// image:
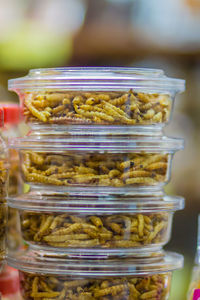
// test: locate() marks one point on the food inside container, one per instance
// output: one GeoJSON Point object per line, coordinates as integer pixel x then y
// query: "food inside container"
{"type": "Point", "coordinates": [109, 226]}
{"type": "Point", "coordinates": [97, 96]}
{"type": "Point", "coordinates": [102, 162]}
{"type": "Point", "coordinates": [4, 165]}
{"type": "Point", "coordinates": [3, 220]}
{"type": "Point", "coordinates": [139, 278]}
{"type": "Point", "coordinates": [12, 128]}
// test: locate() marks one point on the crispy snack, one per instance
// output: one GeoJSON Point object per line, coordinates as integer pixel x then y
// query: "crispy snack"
{"type": "Point", "coordinates": [3, 179]}
{"type": "Point", "coordinates": [48, 287]}
{"type": "Point", "coordinates": [13, 237]}
{"type": "Point", "coordinates": [14, 184]}
{"type": "Point", "coordinates": [3, 219]}
{"type": "Point", "coordinates": [107, 108]}
{"type": "Point", "coordinates": [94, 231]}
{"type": "Point", "coordinates": [96, 169]}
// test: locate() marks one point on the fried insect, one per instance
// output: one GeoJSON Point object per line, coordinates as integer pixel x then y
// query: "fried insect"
{"type": "Point", "coordinates": [125, 288]}
{"type": "Point", "coordinates": [129, 108]}
{"type": "Point", "coordinates": [116, 231]}
{"type": "Point", "coordinates": [96, 169]}
{"type": "Point", "coordinates": [3, 220]}
{"type": "Point", "coordinates": [3, 179]}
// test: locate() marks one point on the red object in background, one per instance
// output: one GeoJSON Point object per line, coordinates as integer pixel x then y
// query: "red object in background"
{"type": "Point", "coordinates": [12, 113]}
{"type": "Point", "coordinates": [9, 281]}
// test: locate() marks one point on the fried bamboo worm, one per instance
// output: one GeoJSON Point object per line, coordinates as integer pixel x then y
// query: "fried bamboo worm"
{"type": "Point", "coordinates": [96, 169]}
{"type": "Point", "coordinates": [68, 107]}
{"type": "Point", "coordinates": [64, 230]}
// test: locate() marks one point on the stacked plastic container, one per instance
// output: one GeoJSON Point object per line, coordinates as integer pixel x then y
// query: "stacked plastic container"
{"type": "Point", "coordinates": [95, 216]}
{"type": "Point", "coordinates": [4, 165]}
{"type": "Point", "coordinates": [13, 127]}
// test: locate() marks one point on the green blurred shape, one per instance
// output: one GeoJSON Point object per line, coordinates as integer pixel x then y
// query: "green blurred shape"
{"type": "Point", "coordinates": [33, 46]}
{"type": "Point", "coordinates": [180, 283]}
{"type": "Point", "coordinates": [26, 188]}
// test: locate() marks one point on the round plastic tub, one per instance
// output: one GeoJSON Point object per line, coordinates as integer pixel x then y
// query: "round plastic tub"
{"type": "Point", "coordinates": [96, 162]}
{"type": "Point", "coordinates": [53, 278]}
{"type": "Point", "coordinates": [100, 100]}
{"type": "Point", "coordinates": [99, 227]}
{"type": "Point", "coordinates": [12, 126]}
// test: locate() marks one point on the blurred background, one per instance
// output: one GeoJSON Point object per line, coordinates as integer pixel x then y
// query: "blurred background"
{"type": "Point", "coordinates": [140, 33]}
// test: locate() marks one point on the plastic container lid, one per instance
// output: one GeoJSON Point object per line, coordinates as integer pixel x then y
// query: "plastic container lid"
{"type": "Point", "coordinates": [35, 262]}
{"type": "Point", "coordinates": [92, 205]}
{"type": "Point", "coordinates": [98, 79]}
{"type": "Point", "coordinates": [9, 281]}
{"type": "Point", "coordinates": [96, 192]}
{"type": "Point", "coordinates": [12, 113]}
{"type": "Point", "coordinates": [150, 194]}
{"type": "Point", "coordinates": [109, 144]}
{"type": "Point", "coordinates": [95, 130]}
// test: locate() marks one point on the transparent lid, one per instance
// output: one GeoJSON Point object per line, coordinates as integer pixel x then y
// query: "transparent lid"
{"type": "Point", "coordinates": [98, 79]}
{"type": "Point", "coordinates": [95, 205]}
{"type": "Point", "coordinates": [36, 262]}
{"type": "Point", "coordinates": [110, 144]}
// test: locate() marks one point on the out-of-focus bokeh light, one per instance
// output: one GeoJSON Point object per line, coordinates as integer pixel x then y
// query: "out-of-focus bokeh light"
{"type": "Point", "coordinates": [169, 23]}
{"type": "Point", "coordinates": [39, 33]}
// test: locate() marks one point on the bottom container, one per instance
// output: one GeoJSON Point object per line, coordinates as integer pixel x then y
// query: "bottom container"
{"type": "Point", "coordinates": [45, 278]}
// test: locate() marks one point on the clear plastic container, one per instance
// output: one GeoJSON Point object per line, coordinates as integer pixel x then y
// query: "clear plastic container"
{"type": "Point", "coordinates": [97, 162]}
{"type": "Point", "coordinates": [100, 100]}
{"type": "Point", "coordinates": [91, 227]}
{"type": "Point", "coordinates": [4, 165]}
{"type": "Point", "coordinates": [52, 278]}
{"type": "Point", "coordinates": [12, 119]}
{"type": "Point", "coordinates": [13, 127]}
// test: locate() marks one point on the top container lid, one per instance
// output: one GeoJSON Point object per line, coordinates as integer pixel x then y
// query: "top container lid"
{"type": "Point", "coordinates": [34, 262]}
{"type": "Point", "coordinates": [150, 80]}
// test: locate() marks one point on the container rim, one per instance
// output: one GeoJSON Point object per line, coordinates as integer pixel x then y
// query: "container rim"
{"type": "Point", "coordinates": [97, 78]}
{"type": "Point", "coordinates": [110, 144]}
{"type": "Point", "coordinates": [90, 205]}
{"type": "Point", "coordinates": [35, 262]}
